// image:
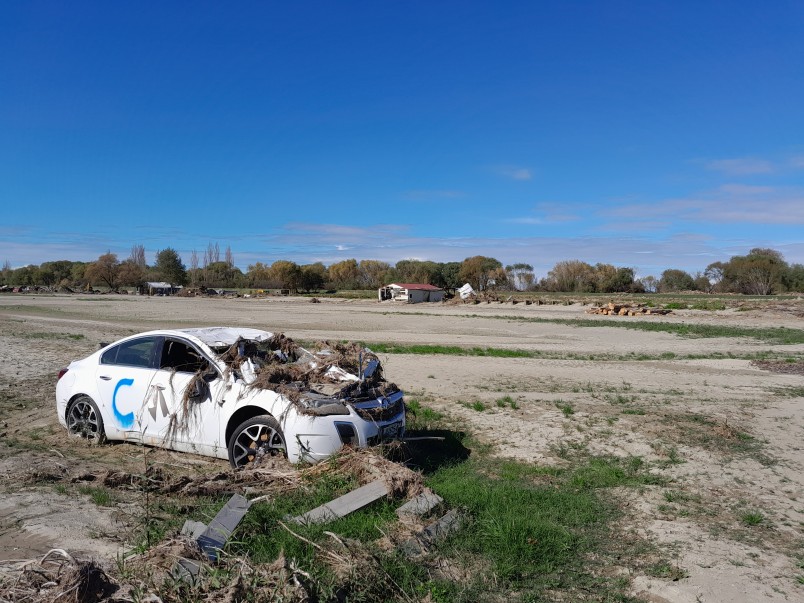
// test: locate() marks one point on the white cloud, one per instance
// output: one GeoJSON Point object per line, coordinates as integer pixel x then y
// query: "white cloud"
{"type": "Point", "coordinates": [514, 172]}
{"type": "Point", "coordinates": [525, 220]}
{"type": "Point", "coordinates": [742, 166]}
{"type": "Point", "coordinates": [424, 195]}
{"type": "Point", "coordinates": [797, 162]}
{"type": "Point", "coordinates": [730, 203]}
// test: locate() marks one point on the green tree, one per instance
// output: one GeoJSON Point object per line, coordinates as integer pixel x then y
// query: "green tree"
{"type": "Point", "coordinates": [676, 280]}
{"type": "Point", "coordinates": [313, 276]}
{"type": "Point", "coordinates": [371, 273]}
{"type": "Point", "coordinates": [758, 273]}
{"type": "Point", "coordinates": [415, 271]}
{"type": "Point", "coordinates": [448, 276]}
{"type": "Point", "coordinates": [793, 278]}
{"type": "Point", "coordinates": [24, 276]}
{"type": "Point", "coordinates": [131, 274]}
{"type": "Point", "coordinates": [477, 271]}
{"type": "Point", "coordinates": [6, 273]}
{"type": "Point", "coordinates": [169, 267]}
{"type": "Point", "coordinates": [571, 276]}
{"type": "Point", "coordinates": [286, 275]}
{"type": "Point", "coordinates": [104, 270]}
{"type": "Point", "coordinates": [344, 275]}
{"type": "Point", "coordinates": [258, 275]}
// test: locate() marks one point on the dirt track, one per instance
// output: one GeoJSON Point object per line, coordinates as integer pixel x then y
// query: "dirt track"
{"type": "Point", "coordinates": [692, 417]}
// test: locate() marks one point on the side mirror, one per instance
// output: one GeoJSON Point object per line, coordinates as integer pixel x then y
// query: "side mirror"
{"type": "Point", "coordinates": [199, 390]}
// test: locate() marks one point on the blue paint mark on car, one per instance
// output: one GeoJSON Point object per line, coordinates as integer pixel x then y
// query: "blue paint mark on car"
{"type": "Point", "coordinates": [126, 420]}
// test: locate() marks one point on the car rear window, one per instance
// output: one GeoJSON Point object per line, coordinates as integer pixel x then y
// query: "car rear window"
{"type": "Point", "coordinates": [137, 352]}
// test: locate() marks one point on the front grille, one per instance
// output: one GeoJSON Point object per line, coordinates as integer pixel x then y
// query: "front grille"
{"type": "Point", "coordinates": [381, 409]}
{"type": "Point", "coordinates": [380, 413]}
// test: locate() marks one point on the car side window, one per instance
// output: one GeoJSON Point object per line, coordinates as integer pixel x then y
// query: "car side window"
{"type": "Point", "coordinates": [181, 357]}
{"type": "Point", "coordinates": [137, 352]}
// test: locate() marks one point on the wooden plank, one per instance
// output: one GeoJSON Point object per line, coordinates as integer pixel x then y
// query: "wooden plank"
{"type": "Point", "coordinates": [221, 527]}
{"type": "Point", "coordinates": [343, 505]}
{"type": "Point", "coordinates": [422, 504]}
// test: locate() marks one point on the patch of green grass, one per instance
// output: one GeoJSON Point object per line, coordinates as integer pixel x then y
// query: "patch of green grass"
{"type": "Point", "coordinates": [478, 406]}
{"type": "Point", "coordinates": [713, 435]}
{"type": "Point", "coordinates": [450, 350]}
{"type": "Point", "coordinates": [752, 518]}
{"type": "Point", "coordinates": [41, 335]}
{"type": "Point", "coordinates": [537, 534]}
{"type": "Point", "coordinates": [633, 411]}
{"type": "Point", "coordinates": [507, 401]}
{"type": "Point", "coordinates": [100, 496]}
{"type": "Point", "coordinates": [565, 407]}
{"type": "Point", "coordinates": [777, 335]}
{"type": "Point", "coordinates": [419, 416]}
{"type": "Point", "coordinates": [711, 305]}
{"type": "Point", "coordinates": [529, 532]}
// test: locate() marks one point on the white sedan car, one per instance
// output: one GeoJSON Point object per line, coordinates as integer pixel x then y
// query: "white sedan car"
{"type": "Point", "coordinates": [231, 393]}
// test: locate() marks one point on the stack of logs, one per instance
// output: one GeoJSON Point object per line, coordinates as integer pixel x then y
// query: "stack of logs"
{"type": "Point", "coordinates": [613, 309]}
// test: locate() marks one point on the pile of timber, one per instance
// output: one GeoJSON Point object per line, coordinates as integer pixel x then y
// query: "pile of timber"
{"type": "Point", "coordinates": [612, 309]}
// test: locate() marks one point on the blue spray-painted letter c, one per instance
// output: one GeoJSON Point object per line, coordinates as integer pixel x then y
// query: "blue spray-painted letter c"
{"type": "Point", "coordinates": [126, 420]}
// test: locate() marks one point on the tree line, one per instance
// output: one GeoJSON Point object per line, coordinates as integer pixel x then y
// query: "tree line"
{"type": "Point", "coordinates": [760, 272]}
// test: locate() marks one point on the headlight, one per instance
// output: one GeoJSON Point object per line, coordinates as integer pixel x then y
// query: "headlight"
{"type": "Point", "coordinates": [323, 406]}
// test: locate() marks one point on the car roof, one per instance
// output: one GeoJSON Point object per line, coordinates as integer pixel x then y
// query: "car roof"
{"type": "Point", "coordinates": [214, 337]}
{"type": "Point", "coordinates": [224, 336]}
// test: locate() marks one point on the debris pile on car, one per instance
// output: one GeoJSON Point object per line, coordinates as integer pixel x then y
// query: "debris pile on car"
{"type": "Point", "coordinates": [333, 370]}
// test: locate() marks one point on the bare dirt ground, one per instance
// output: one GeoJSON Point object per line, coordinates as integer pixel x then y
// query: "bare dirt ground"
{"type": "Point", "coordinates": [727, 432]}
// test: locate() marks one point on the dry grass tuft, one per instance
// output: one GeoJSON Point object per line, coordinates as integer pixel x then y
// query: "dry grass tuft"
{"type": "Point", "coordinates": [58, 576]}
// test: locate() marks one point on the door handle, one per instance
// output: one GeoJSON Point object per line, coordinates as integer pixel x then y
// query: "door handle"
{"type": "Point", "coordinates": [105, 378]}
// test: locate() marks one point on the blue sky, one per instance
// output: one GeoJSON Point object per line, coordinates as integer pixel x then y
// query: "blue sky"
{"type": "Point", "coordinates": [644, 134]}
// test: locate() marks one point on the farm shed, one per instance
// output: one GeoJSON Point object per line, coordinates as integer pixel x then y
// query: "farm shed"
{"type": "Point", "coordinates": [158, 288]}
{"type": "Point", "coordinates": [411, 293]}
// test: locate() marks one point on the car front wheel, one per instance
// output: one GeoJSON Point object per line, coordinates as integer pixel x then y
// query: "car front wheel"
{"type": "Point", "coordinates": [255, 439]}
{"type": "Point", "coordinates": [84, 420]}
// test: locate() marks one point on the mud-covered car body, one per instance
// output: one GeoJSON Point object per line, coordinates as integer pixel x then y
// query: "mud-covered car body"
{"type": "Point", "coordinates": [204, 391]}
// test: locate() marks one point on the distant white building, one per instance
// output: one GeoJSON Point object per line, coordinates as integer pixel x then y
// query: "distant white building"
{"type": "Point", "coordinates": [411, 293]}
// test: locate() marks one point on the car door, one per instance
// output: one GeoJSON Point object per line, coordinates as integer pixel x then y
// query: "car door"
{"type": "Point", "coordinates": [181, 411]}
{"type": "Point", "coordinates": [123, 379]}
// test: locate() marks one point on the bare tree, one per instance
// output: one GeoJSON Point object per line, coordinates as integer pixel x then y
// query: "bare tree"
{"type": "Point", "coordinates": [194, 267]}
{"type": "Point", "coordinates": [229, 258]}
{"type": "Point", "coordinates": [214, 252]}
{"type": "Point", "coordinates": [137, 256]}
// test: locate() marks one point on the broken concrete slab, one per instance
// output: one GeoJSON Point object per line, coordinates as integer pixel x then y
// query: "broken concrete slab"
{"type": "Point", "coordinates": [185, 570]}
{"type": "Point", "coordinates": [439, 529]}
{"type": "Point", "coordinates": [421, 505]}
{"type": "Point", "coordinates": [221, 527]}
{"type": "Point", "coordinates": [193, 529]}
{"type": "Point", "coordinates": [343, 505]}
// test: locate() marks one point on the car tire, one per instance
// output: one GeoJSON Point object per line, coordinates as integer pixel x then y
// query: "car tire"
{"type": "Point", "coordinates": [255, 439]}
{"type": "Point", "coordinates": [84, 420]}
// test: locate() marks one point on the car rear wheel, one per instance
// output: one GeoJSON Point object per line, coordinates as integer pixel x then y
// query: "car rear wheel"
{"type": "Point", "coordinates": [84, 420]}
{"type": "Point", "coordinates": [255, 439]}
